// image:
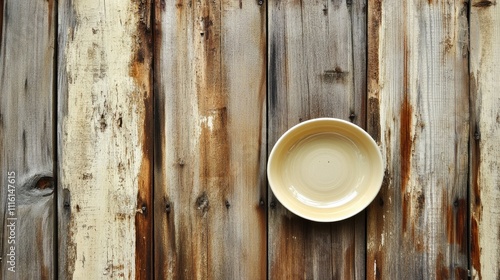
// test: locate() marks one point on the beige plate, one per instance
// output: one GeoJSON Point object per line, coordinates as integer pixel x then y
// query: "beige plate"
{"type": "Point", "coordinates": [325, 169]}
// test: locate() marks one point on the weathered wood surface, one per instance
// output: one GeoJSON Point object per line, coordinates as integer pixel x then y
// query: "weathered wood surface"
{"type": "Point", "coordinates": [210, 188]}
{"type": "Point", "coordinates": [419, 113]}
{"type": "Point", "coordinates": [485, 133]}
{"type": "Point", "coordinates": [105, 139]}
{"type": "Point", "coordinates": [435, 116]}
{"type": "Point", "coordinates": [316, 69]}
{"type": "Point", "coordinates": [26, 140]}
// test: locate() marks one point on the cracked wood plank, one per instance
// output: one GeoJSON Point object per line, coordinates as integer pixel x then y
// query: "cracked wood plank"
{"type": "Point", "coordinates": [316, 69]}
{"type": "Point", "coordinates": [26, 140]}
{"type": "Point", "coordinates": [210, 189]}
{"type": "Point", "coordinates": [105, 139]}
{"type": "Point", "coordinates": [418, 111]}
{"type": "Point", "coordinates": [485, 132]}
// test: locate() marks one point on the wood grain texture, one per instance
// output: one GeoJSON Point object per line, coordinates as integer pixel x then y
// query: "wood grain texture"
{"type": "Point", "coordinates": [485, 132]}
{"type": "Point", "coordinates": [418, 112]}
{"type": "Point", "coordinates": [26, 140]}
{"type": "Point", "coordinates": [105, 139]}
{"type": "Point", "coordinates": [210, 191]}
{"type": "Point", "coordinates": [315, 70]}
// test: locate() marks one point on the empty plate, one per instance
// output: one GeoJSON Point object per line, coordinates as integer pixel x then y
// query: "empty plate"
{"type": "Point", "coordinates": [325, 169]}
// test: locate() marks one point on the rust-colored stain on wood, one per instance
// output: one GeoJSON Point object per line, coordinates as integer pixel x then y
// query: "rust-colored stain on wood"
{"type": "Point", "coordinates": [456, 224]}
{"type": "Point", "coordinates": [475, 253]}
{"type": "Point", "coordinates": [349, 257]}
{"type": "Point", "coordinates": [461, 273]}
{"type": "Point", "coordinates": [40, 235]}
{"type": "Point", "coordinates": [140, 71]}
{"type": "Point", "coordinates": [406, 141]}
{"type": "Point", "coordinates": [144, 218]}
{"type": "Point", "coordinates": [405, 128]}
{"type": "Point", "coordinates": [442, 271]}
{"type": "Point", "coordinates": [50, 12]}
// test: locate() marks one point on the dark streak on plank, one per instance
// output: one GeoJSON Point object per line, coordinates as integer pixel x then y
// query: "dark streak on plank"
{"type": "Point", "coordinates": [475, 166]}
{"type": "Point", "coordinates": [273, 79]}
{"type": "Point", "coordinates": [405, 140]}
{"type": "Point", "coordinates": [374, 25]}
{"type": "Point", "coordinates": [163, 207]}
{"type": "Point", "coordinates": [373, 123]}
{"type": "Point", "coordinates": [140, 71]}
{"type": "Point", "coordinates": [1, 23]}
{"type": "Point", "coordinates": [475, 248]}
{"type": "Point", "coordinates": [484, 4]}
{"type": "Point", "coordinates": [456, 224]}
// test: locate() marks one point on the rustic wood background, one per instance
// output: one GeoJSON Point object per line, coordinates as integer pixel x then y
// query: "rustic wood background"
{"type": "Point", "coordinates": [138, 132]}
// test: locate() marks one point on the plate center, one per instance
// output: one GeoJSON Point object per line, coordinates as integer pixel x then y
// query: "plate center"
{"type": "Point", "coordinates": [324, 170]}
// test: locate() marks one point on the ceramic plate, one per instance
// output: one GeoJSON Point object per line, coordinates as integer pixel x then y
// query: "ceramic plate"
{"type": "Point", "coordinates": [325, 169]}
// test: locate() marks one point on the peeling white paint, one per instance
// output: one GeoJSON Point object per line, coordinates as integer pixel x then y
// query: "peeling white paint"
{"type": "Point", "coordinates": [100, 87]}
{"type": "Point", "coordinates": [207, 121]}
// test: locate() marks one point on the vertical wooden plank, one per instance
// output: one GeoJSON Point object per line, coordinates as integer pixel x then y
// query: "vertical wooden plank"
{"type": "Point", "coordinates": [358, 116]}
{"type": "Point", "coordinates": [210, 189]}
{"type": "Point", "coordinates": [315, 70]}
{"type": "Point", "coordinates": [485, 132]}
{"type": "Point", "coordinates": [26, 140]}
{"type": "Point", "coordinates": [105, 139]}
{"type": "Point", "coordinates": [418, 112]}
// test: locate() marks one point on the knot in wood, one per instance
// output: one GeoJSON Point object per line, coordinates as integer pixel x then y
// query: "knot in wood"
{"type": "Point", "coordinates": [273, 204]}
{"type": "Point", "coordinates": [202, 202]}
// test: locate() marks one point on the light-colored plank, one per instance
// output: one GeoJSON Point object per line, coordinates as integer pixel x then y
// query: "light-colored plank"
{"type": "Point", "coordinates": [419, 114]}
{"type": "Point", "coordinates": [312, 73]}
{"type": "Point", "coordinates": [105, 139]}
{"type": "Point", "coordinates": [485, 133]}
{"type": "Point", "coordinates": [210, 189]}
{"type": "Point", "coordinates": [26, 140]}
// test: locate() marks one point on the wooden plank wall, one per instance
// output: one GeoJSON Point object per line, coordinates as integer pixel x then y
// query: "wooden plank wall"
{"type": "Point", "coordinates": [315, 70]}
{"type": "Point", "coordinates": [105, 118]}
{"type": "Point", "coordinates": [26, 139]}
{"type": "Point", "coordinates": [210, 187]}
{"type": "Point", "coordinates": [484, 136]}
{"type": "Point", "coordinates": [167, 109]}
{"type": "Point", "coordinates": [419, 114]}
